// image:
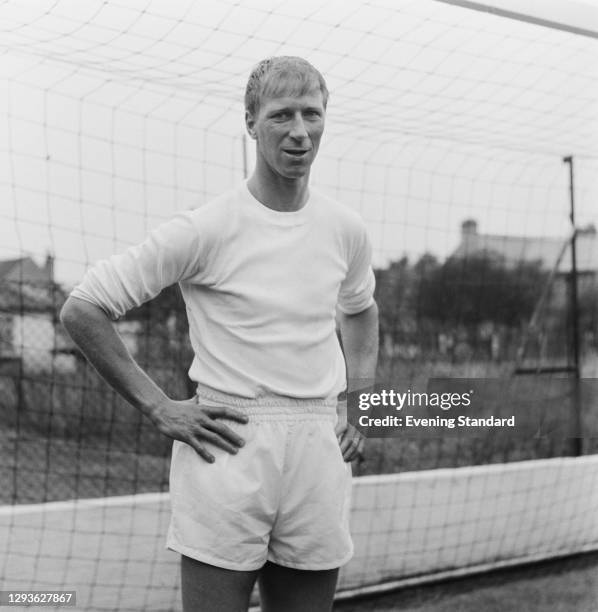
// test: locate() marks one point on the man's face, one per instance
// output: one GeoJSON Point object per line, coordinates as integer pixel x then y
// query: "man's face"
{"type": "Point", "coordinates": [288, 130]}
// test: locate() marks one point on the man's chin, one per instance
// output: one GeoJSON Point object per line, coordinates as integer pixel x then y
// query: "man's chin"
{"type": "Point", "coordinates": [295, 173]}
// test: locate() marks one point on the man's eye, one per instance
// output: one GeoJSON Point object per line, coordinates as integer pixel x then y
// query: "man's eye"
{"type": "Point", "coordinates": [280, 116]}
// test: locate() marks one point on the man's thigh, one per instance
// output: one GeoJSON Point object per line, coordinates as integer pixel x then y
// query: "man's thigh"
{"type": "Point", "coordinates": [283, 589]}
{"type": "Point", "coordinates": [206, 588]}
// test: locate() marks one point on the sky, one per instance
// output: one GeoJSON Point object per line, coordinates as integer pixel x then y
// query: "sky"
{"type": "Point", "coordinates": [114, 115]}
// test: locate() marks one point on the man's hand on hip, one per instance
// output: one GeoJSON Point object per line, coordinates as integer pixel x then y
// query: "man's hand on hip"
{"type": "Point", "coordinates": [194, 424]}
{"type": "Point", "coordinates": [350, 440]}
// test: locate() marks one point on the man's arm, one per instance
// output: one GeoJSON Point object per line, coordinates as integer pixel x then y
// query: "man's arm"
{"type": "Point", "coordinates": [93, 332]}
{"type": "Point", "coordinates": [359, 334]}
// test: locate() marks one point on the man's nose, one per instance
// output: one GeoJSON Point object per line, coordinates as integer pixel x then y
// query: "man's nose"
{"type": "Point", "coordinates": [298, 130]}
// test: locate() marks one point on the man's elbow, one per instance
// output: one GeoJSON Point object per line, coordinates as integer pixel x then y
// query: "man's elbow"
{"type": "Point", "coordinates": [367, 318]}
{"type": "Point", "coordinates": [369, 322]}
{"type": "Point", "coordinates": [373, 309]}
{"type": "Point", "coordinates": [370, 313]}
{"type": "Point", "coordinates": [68, 313]}
{"type": "Point", "coordinates": [76, 311]}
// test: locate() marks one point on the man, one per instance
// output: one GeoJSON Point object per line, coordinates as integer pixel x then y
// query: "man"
{"type": "Point", "coordinates": [259, 482]}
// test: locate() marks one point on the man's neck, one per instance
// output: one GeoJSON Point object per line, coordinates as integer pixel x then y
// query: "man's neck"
{"type": "Point", "coordinates": [279, 193]}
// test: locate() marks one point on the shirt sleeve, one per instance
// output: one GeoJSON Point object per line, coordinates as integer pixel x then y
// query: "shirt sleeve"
{"type": "Point", "coordinates": [169, 254]}
{"type": "Point", "coordinates": [357, 290]}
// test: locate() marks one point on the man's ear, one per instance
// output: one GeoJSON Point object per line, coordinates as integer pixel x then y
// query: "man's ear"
{"type": "Point", "coordinates": [250, 124]}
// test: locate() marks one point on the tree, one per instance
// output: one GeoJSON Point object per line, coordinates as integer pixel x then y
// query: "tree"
{"type": "Point", "coordinates": [478, 289]}
{"type": "Point", "coordinates": [393, 290]}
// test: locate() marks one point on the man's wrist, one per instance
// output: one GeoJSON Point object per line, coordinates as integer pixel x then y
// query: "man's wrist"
{"type": "Point", "coordinates": [152, 407]}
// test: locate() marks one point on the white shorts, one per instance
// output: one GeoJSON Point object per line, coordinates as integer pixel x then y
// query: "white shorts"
{"type": "Point", "coordinates": [284, 497]}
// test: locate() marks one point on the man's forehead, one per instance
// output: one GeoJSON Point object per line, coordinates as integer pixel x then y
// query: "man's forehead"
{"type": "Point", "coordinates": [289, 87]}
{"type": "Point", "coordinates": [313, 97]}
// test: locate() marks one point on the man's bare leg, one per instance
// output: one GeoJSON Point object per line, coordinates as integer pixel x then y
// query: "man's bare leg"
{"type": "Point", "coordinates": [283, 589]}
{"type": "Point", "coordinates": [207, 588]}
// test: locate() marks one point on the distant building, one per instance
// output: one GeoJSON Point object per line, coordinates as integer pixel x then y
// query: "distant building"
{"type": "Point", "coordinates": [31, 335]}
{"type": "Point", "coordinates": [29, 304]}
{"type": "Point", "coordinates": [515, 250]}
{"type": "Point", "coordinates": [554, 256]}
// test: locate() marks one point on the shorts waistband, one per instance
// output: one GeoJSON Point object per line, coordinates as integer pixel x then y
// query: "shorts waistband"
{"type": "Point", "coordinates": [275, 406]}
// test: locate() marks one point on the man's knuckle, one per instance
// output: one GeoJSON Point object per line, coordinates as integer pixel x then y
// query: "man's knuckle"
{"type": "Point", "coordinates": [217, 427]}
{"type": "Point", "coordinates": [201, 450]}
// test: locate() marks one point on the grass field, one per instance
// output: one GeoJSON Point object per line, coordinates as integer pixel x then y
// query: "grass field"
{"type": "Point", "coordinates": [35, 469]}
{"type": "Point", "coordinates": [563, 585]}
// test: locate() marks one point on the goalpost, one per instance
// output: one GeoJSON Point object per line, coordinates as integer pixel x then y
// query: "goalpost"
{"type": "Point", "coordinates": [567, 15]}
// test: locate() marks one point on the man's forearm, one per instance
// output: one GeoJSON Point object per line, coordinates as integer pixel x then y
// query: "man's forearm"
{"type": "Point", "coordinates": [93, 332]}
{"type": "Point", "coordinates": [359, 334]}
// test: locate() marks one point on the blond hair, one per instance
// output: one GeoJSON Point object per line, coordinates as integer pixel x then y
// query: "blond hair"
{"type": "Point", "coordinates": [275, 75]}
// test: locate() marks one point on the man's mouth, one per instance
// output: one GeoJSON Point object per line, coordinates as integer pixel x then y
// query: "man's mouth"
{"type": "Point", "coordinates": [296, 152]}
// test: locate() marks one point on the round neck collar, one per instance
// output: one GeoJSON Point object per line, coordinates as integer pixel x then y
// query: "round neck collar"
{"type": "Point", "coordinates": [280, 217]}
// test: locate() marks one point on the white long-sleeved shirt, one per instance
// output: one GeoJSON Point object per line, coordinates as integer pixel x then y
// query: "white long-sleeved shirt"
{"type": "Point", "coordinates": [260, 287]}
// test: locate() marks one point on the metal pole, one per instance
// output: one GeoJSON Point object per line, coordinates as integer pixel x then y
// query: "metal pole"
{"type": "Point", "coordinates": [578, 441]}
